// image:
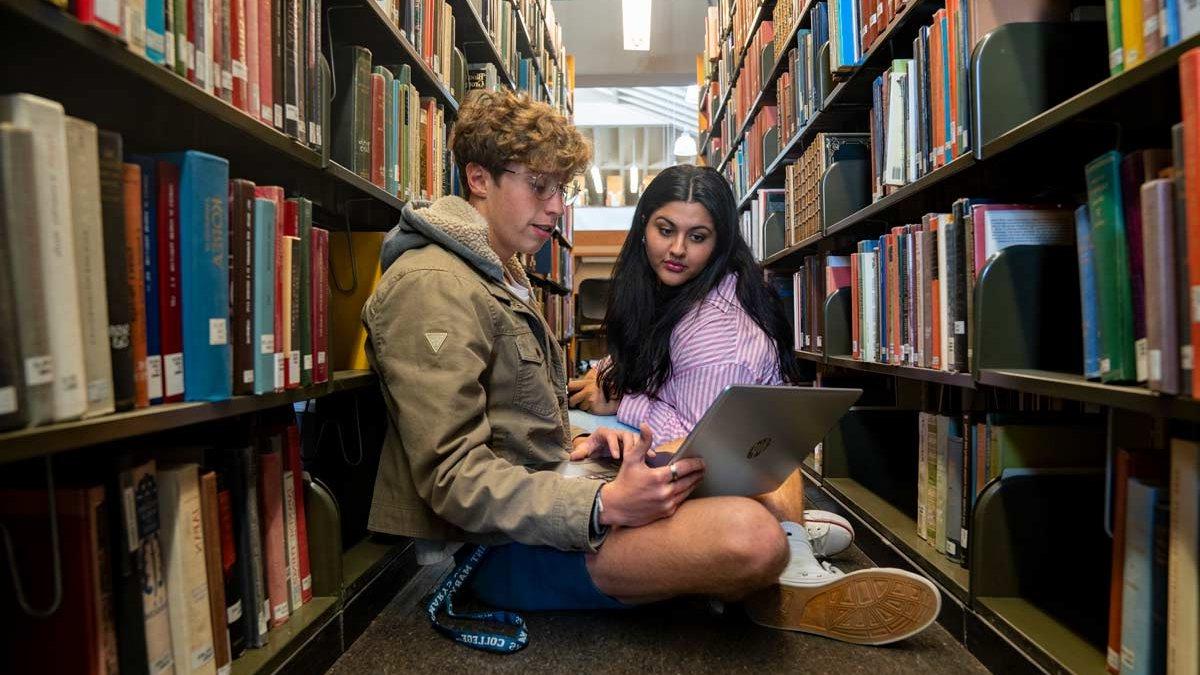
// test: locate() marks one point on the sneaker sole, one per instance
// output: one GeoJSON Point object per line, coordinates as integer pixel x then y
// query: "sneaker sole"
{"type": "Point", "coordinates": [866, 607]}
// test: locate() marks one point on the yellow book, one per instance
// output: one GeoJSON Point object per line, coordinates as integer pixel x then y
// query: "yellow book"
{"type": "Point", "coordinates": [1131, 33]}
{"type": "Point", "coordinates": [347, 336]}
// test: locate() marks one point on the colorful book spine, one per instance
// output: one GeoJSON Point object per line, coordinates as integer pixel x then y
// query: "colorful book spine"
{"type": "Point", "coordinates": [156, 36]}
{"type": "Point", "coordinates": [241, 283]}
{"type": "Point", "coordinates": [1088, 293]}
{"type": "Point", "coordinates": [319, 280]}
{"type": "Point", "coordinates": [204, 247]}
{"type": "Point", "coordinates": [1117, 361]}
{"type": "Point", "coordinates": [275, 194]}
{"type": "Point", "coordinates": [304, 292]}
{"type": "Point", "coordinates": [148, 168]}
{"type": "Point", "coordinates": [170, 298]}
{"type": "Point", "coordinates": [135, 278]}
{"type": "Point", "coordinates": [1139, 650]}
{"type": "Point", "coordinates": [264, 296]}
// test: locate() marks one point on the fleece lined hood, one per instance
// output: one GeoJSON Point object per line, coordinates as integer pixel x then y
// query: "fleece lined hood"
{"type": "Point", "coordinates": [452, 223]}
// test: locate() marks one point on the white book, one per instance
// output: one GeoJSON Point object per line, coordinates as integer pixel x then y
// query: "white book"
{"type": "Point", "coordinates": [894, 166]}
{"type": "Point", "coordinates": [212, 71]}
{"type": "Point", "coordinates": [912, 115]}
{"type": "Point", "coordinates": [291, 541]}
{"type": "Point", "coordinates": [943, 485]}
{"type": "Point", "coordinates": [84, 174]}
{"type": "Point", "coordinates": [1183, 567]}
{"type": "Point", "coordinates": [46, 119]}
{"type": "Point", "coordinates": [134, 29]}
{"type": "Point", "coordinates": [1189, 18]}
{"type": "Point", "coordinates": [944, 277]}
{"type": "Point", "coordinates": [181, 535]}
{"type": "Point", "coordinates": [870, 292]}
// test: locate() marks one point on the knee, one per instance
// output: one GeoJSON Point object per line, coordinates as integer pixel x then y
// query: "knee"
{"type": "Point", "coordinates": [754, 543]}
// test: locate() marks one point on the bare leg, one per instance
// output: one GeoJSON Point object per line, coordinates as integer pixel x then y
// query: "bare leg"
{"type": "Point", "coordinates": [723, 547]}
{"type": "Point", "coordinates": [787, 501]}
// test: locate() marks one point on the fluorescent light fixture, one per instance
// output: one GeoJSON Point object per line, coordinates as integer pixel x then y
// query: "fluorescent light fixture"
{"type": "Point", "coordinates": [596, 180]}
{"type": "Point", "coordinates": [635, 19]}
{"type": "Point", "coordinates": [685, 146]}
{"type": "Point", "coordinates": [634, 185]}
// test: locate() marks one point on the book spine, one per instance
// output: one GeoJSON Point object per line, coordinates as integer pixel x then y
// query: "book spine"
{"type": "Point", "coordinates": [1183, 322]}
{"type": "Point", "coordinates": [1189, 81]}
{"type": "Point", "coordinates": [264, 295]}
{"type": "Point", "coordinates": [238, 95]}
{"type": "Point", "coordinates": [170, 282]}
{"type": "Point", "coordinates": [320, 303]}
{"type": "Point", "coordinates": [1183, 578]}
{"type": "Point", "coordinates": [118, 292]}
{"type": "Point", "coordinates": [187, 585]}
{"type": "Point", "coordinates": [83, 172]}
{"type": "Point", "coordinates": [292, 545]}
{"type": "Point", "coordinates": [292, 326]}
{"type": "Point", "coordinates": [296, 467]}
{"type": "Point", "coordinates": [279, 62]}
{"type": "Point", "coordinates": [1158, 251]}
{"type": "Point", "coordinates": [362, 114]}
{"type": "Point", "coordinates": [287, 296]}
{"type": "Point", "coordinates": [179, 33]}
{"type": "Point", "coordinates": [1112, 264]}
{"type": "Point", "coordinates": [234, 615]}
{"type": "Point", "coordinates": [226, 37]}
{"type": "Point", "coordinates": [1131, 33]}
{"type": "Point", "coordinates": [241, 258]}
{"type": "Point", "coordinates": [304, 232]}
{"type": "Point", "coordinates": [253, 102]}
{"type": "Point", "coordinates": [135, 278]}
{"type": "Point", "coordinates": [270, 484]}
{"type": "Point", "coordinates": [1088, 294]}
{"type": "Point", "coordinates": [291, 55]}
{"type": "Point", "coordinates": [266, 57]}
{"type": "Point", "coordinates": [378, 160]}
{"type": "Point", "coordinates": [214, 574]}
{"type": "Point", "coordinates": [106, 16]}
{"type": "Point", "coordinates": [150, 278]}
{"type": "Point", "coordinates": [156, 31]}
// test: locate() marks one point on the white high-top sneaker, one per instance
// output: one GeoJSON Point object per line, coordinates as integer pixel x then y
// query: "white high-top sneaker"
{"type": "Point", "coordinates": [870, 607]}
{"type": "Point", "coordinates": [829, 533]}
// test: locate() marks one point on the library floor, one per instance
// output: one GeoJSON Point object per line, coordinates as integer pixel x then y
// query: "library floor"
{"type": "Point", "coordinates": [679, 636]}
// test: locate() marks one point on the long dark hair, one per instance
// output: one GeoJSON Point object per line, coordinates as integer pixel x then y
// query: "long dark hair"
{"type": "Point", "coordinates": [642, 312]}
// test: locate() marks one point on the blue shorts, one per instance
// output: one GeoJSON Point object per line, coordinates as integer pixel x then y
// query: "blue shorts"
{"type": "Point", "coordinates": [535, 578]}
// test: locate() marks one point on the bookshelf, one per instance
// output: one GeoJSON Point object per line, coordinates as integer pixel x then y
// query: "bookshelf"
{"type": "Point", "coordinates": [98, 79]}
{"type": "Point", "coordinates": [1032, 150]}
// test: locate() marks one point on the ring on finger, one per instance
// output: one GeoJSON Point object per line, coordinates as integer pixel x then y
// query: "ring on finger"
{"type": "Point", "coordinates": [674, 473]}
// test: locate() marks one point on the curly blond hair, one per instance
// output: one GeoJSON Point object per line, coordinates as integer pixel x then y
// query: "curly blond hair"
{"type": "Point", "coordinates": [495, 128]}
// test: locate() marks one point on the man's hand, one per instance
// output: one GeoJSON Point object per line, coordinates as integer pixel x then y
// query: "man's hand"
{"type": "Point", "coordinates": [587, 395]}
{"type": "Point", "coordinates": [602, 442]}
{"type": "Point", "coordinates": [640, 494]}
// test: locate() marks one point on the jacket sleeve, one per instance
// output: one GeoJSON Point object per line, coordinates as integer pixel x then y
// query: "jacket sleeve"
{"type": "Point", "coordinates": [683, 401]}
{"type": "Point", "coordinates": [433, 338]}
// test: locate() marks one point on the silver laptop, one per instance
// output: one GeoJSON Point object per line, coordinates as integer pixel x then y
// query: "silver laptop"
{"type": "Point", "coordinates": [751, 438]}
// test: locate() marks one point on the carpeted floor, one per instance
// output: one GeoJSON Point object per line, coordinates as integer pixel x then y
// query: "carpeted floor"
{"type": "Point", "coordinates": [680, 636]}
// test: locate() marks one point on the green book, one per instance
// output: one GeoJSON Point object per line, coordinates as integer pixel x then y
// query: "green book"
{"type": "Point", "coordinates": [1117, 362]}
{"type": "Point", "coordinates": [1116, 52]}
{"type": "Point", "coordinates": [352, 110]}
{"type": "Point", "coordinates": [304, 227]}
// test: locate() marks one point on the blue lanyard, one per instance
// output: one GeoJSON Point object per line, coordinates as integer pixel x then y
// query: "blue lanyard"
{"type": "Point", "coordinates": [484, 640]}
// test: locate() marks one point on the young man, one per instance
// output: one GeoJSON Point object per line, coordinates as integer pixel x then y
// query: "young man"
{"type": "Point", "coordinates": [475, 386]}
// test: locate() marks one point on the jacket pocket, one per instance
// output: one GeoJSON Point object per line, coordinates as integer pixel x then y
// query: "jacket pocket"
{"type": "Point", "coordinates": [534, 391]}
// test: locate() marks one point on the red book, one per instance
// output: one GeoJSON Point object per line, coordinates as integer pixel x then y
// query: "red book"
{"type": "Point", "coordinates": [296, 467]}
{"type": "Point", "coordinates": [855, 337]}
{"type": "Point", "coordinates": [237, 52]}
{"type": "Point", "coordinates": [270, 500]}
{"type": "Point", "coordinates": [132, 181]}
{"type": "Point", "coordinates": [170, 305]}
{"type": "Point", "coordinates": [1189, 94]}
{"type": "Point", "coordinates": [275, 194]}
{"type": "Point", "coordinates": [106, 16]}
{"type": "Point", "coordinates": [266, 68]}
{"type": "Point", "coordinates": [319, 260]}
{"type": "Point", "coordinates": [935, 299]}
{"type": "Point", "coordinates": [428, 116]}
{"type": "Point", "coordinates": [378, 125]}
{"type": "Point", "coordinates": [952, 20]}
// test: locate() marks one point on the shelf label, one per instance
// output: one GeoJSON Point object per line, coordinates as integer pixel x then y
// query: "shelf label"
{"type": "Point", "coordinates": [154, 375]}
{"type": "Point", "coordinates": [173, 377]}
{"type": "Point", "coordinates": [39, 370]}
{"type": "Point", "coordinates": [217, 332]}
{"type": "Point", "coordinates": [8, 400]}
{"type": "Point", "coordinates": [266, 343]}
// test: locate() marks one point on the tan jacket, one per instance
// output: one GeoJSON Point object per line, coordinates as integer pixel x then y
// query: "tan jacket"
{"type": "Point", "coordinates": [475, 387]}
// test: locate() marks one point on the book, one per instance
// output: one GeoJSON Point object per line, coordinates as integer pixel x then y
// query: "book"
{"type": "Point", "coordinates": [213, 568]}
{"type": "Point", "coordinates": [131, 178]}
{"type": "Point", "coordinates": [107, 16]}
{"type": "Point", "coordinates": [170, 282]}
{"type": "Point", "coordinates": [1112, 265]}
{"type": "Point", "coordinates": [287, 299]}
{"type": "Point", "coordinates": [239, 467]}
{"type": "Point", "coordinates": [1189, 83]}
{"type": "Point", "coordinates": [119, 294]}
{"type": "Point", "coordinates": [352, 110]}
{"type": "Point", "coordinates": [319, 278]}
{"type": "Point", "coordinates": [290, 530]}
{"type": "Point", "coordinates": [1158, 251]}
{"type": "Point", "coordinates": [147, 167]}
{"type": "Point", "coordinates": [1136, 168]}
{"type": "Point", "coordinates": [270, 496]}
{"type": "Point", "coordinates": [275, 194]}
{"type": "Point", "coordinates": [1183, 578]}
{"type": "Point", "coordinates": [241, 283]}
{"type": "Point", "coordinates": [182, 538]}
{"type": "Point", "coordinates": [204, 248]}
{"type": "Point", "coordinates": [295, 468]}
{"type": "Point", "coordinates": [1088, 293]}
{"type": "Point", "coordinates": [84, 174]}
{"type": "Point", "coordinates": [1140, 653]}
{"type": "Point", "coordinates": [293, 325]}
{"type": "Point", "coordinates": [46, 120]}
{"type": "Point", "coordinates": [264, 295]}
{"type": "Point", "coordinates": [18, 251]}
{"type": "Point", "coordinates": [230, 570]}
{"type": "Point", "coordinates": [1183, 321]}
{"type": "Point", "coordinates": [303, 294]}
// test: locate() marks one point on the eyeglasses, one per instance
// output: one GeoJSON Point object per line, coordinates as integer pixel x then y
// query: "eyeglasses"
{"type": "Point", "coordinates": [544, 190]}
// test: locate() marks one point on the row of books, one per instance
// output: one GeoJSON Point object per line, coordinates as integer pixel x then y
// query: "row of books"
{"type": "Point", "coordinates": [178, 563]}
{"type": "Point", "coordinates": [803, 181]}
{"type": "Point", "coordinates": [386, 132]}
{"type": "Point", "coordinates": [1138, 30]}
{"type": "Point", "coordinates": [1153, 608]}
{"type": "Point", "coordinates": [263, 57]}
{"type": "Point", "coordinates": [762, 224]}
{"type": "Point", "coordinates": [797, 90]}
{"type": "Point", "coordinates": [429, 25]}
{"type": "Point", "coordinates": [556, 67]}
{"type": "Point", "coordinates": [132, 280]}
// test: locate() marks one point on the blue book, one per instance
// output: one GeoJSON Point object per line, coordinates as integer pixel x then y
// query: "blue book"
{"type": "Point", "coordinates": [819, 23]}
{"type": "Point", "coordinates": [846, 40]}
{"type": "Point", "coordinates": [947, 149]}
{"type": "Point", "coordinates": [1139, 651]}
{"type": "Point", "coordinates": [1169, 15]}
{"type": "Point", "coordinates": [393, 139]}
{"type": "Point", "coordinates": [156, 37]}
{"type": "Point", "coordinates": [1088, 298]}
{"type": "Point", "coordinates": [204, 272]}
{"type": "Point", "coordinates": [154, 361]}
{"type": "Point", "coordinates": [264, 296]}
{"type": "Point", "coordinates": [955, 457]}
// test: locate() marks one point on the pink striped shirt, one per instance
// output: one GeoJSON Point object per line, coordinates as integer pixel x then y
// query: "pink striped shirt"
{"type": "Point", "coordinates": [715, 345]}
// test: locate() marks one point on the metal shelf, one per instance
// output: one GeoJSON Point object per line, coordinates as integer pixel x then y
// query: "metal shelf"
{"type": "Point", "coordinates": [470, 30]}
{"type": "Point", "coordinates": [963, 380]}
{"type": "Point", "coordinates": [790, 251]}
{"type": "Point", "coordinates": [53, 438]}
{"type": "Point", "coordinates": [1077, 388]}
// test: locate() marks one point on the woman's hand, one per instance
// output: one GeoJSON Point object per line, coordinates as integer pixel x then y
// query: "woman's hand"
{"type": "Point", "coordinates": [641, 494]}
{"type": "Point", "coordinates": [587, 395]}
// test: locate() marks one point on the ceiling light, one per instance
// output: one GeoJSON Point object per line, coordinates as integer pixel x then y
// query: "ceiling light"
{"type": "Point", "coordinates": [685, 146]}
{"type": "Point", "coordinates": [635, 19]}
{"type": "Point", "coordinates": [634, 185]}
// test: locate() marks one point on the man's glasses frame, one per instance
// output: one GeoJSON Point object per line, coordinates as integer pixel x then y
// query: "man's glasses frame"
{"type": "Point", "coordinates": [544, 190]}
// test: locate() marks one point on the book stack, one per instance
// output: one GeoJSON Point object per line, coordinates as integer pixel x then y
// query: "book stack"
{"type": "Point", "coordinates": [803, 180]}
{"type": "Point", "coordinates": [183, 561]}
{"type": "Point", "coordinates": [262, 57]}
{"type": "Point", "coordinates": [429, 26]}
{"type": "Point", "coordinates": [763, 225]}
{"type": "Point", "coordinates": [144, 279]}
{"type": "Point", "coordinates": [797, 89]}
{"type": "Point", "coordinates": [1138, 30]}
{"type": "Point", "coordinates": [912, 288]}
{"type": "Point", "coordinates": [385, 131]}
